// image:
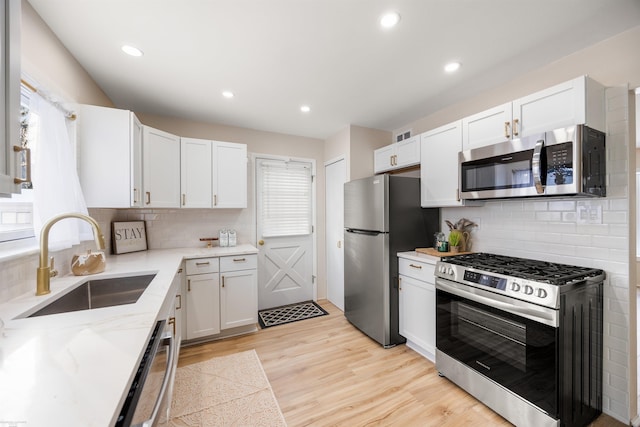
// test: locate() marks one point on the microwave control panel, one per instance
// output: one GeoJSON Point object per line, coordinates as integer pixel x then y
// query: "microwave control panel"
{"type": "Point", "coordinates": [559, 163]}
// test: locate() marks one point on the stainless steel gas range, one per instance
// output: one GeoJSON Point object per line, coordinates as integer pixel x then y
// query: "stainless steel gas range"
{"type": "Point", "coordinates": [522, 336]}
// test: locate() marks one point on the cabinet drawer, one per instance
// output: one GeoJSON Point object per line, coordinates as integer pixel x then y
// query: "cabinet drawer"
{"type": "Point", "coordinates": [417, 270]}
{"type": "Point", "coordinates": [239, 262]}
{"type": "Point", "coordinates": [202, 265]}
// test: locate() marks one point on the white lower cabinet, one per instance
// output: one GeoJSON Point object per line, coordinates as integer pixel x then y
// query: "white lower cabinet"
{"type": "Point", "coordinates": [202, 298]}
{"type": "Point", "coordinates": [238, 291]}
{"type": "Point", "coordinates": [220, 294]}
{"type": "Point", "coordinates": [417, 309]}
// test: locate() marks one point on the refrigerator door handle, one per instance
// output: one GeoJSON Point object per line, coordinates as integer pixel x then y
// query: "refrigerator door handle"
{"type": "Point", "coordinates": [365, 232]}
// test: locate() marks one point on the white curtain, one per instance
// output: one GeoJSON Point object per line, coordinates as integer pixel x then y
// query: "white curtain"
{"type": "Point", "coordinates": [56, 187]}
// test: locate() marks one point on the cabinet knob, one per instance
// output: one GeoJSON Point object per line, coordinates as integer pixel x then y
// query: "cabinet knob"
{"type": "Point", "coordinates": [261, 242]}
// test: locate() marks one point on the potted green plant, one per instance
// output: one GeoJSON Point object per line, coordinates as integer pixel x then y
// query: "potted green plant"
{"type": "Point", "coordinates": [455, 238]}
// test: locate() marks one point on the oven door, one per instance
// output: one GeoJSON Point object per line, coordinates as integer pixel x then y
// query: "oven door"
{"type": "Point", "coordinates": [149, 398]}
{"type": "Point", "coordinates": [514, 351]}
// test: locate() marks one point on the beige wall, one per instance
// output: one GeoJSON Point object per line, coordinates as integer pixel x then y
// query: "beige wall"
{"type": "Point", "coordinates": [356, 144]}
{"type": "Point", "coordinates": [49, 63]}
{"type": "Point", "coordinates": [615, 61]}
{"type": "Point", "coordinates": [363, 142]}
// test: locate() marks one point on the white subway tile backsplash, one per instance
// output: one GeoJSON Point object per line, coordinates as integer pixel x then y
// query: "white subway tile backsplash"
{"type": "Point", "coordinates": [564, 205]}
{"type": "Point", "coordinates": [548, 229]}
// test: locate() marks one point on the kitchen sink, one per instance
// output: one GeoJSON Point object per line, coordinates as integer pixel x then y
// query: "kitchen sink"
{"type": "Point", "coordinates": [98, 294]}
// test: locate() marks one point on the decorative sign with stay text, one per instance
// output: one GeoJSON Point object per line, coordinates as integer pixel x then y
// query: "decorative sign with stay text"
{"type": "Point", "coordinates": [128, 237]}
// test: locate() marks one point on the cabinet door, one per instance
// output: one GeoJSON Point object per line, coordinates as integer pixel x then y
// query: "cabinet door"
{"type": "Point", "coordinates": [408, 152]}
{"type": "Point", "coordinates": [384, 158]}
{"type": "Point", "coordinates": [107, 157]}
{"type": "Point", "coordinates": [418, 313]}
{"type": "Point", "coordinates": [10, 19]}
{"type": "Point", "coordinates": [439, 166]}
{"type": "Point", "coordinates": [203, 305]}
{"type": "Point", "coordinates": [177, 311]}
{"type": "Point", "coordinates": [135, 188]}
{"type": "Point", "coordinates": [195, 173]}
{"type": "Point", "coordinates": [488, 127]}
{"type": "Point", "coordinates": [161, 169]}
{"type": "Point", "coordinates": [558, 106]}
{"type": "Point", "coordinates": [239, 298]}
{"type": "Point", "coordinates": [229, 175]}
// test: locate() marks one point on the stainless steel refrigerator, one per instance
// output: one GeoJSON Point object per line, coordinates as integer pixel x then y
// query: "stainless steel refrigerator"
{"type": "Point", "coordinates": [382, 216]}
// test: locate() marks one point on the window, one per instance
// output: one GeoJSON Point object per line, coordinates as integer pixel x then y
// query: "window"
{"type": "Point", "coordinates": [16, 212]}
{"type": "Point", "coordinates": [285, 199]}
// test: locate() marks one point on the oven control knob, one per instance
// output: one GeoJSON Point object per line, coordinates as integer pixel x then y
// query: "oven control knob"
{"type": "Point", "coordinates": [541, 293]}
{"type": "Point", "coordinates": [450, 271]}
{"type": "Point", "coordinates": [528, 290]}
{"type": "Point", "coordinates": [515, 287]}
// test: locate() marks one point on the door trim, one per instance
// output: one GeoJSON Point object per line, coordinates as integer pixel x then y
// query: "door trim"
{"type": "Point", "coordinates": [314, 239]}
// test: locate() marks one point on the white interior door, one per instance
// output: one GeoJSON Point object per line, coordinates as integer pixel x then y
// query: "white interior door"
{"type": "Point", "coordinates": [284, 214]}
{"type": "Point", "coordinates": [335, 176]}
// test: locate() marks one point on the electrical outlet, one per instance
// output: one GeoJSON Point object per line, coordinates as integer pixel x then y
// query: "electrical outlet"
{"type": "Point", "coordinates": [587, 214]}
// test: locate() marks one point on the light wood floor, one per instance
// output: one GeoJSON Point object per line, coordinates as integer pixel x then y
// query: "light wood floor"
{"type": "Point", "coordinates": [324, 372]}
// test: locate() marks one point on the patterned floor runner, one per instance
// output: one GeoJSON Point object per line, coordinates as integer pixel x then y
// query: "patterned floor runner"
{"type": "Point", "coordinates": [289, 313]}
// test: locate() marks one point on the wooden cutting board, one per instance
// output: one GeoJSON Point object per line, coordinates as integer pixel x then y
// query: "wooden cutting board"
{"type": "Point", "coordinates": [434, 252]}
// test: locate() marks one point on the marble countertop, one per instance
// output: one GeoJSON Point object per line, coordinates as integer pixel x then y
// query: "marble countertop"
{"type": "Point", "coordinates": [73, 369]}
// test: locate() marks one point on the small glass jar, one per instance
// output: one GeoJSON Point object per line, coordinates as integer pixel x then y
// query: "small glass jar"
{"type": "Point", "coordinates": [438, 238]}
{"type": "Point", "coordinates": [223, 238]}
{"type": "Point", "coordinates": [232, 237]}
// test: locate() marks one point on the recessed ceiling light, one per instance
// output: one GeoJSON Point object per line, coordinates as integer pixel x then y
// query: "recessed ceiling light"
{"type": "Point", "coordinates": [451, 67]}
{"type": "Point", "coordinates": [305, 108]}
{"type": "Point", "coordinates": [228, 94]}
{"type": "Point", "coordinates": [390, 19]}
{"type": "Point", "coordinates": [131, 50]}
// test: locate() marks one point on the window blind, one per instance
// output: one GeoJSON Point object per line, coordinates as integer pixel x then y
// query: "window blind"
{"type": "Point", "coordinates": [286, 198]}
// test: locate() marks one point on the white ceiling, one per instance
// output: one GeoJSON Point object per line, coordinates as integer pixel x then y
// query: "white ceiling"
{"type": "Point", "coordinates": [276, 55]}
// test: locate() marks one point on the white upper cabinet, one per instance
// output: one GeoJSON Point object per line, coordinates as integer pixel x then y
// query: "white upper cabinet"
{"type": "Point", "coordinates": [213, 174]}
{"type": "Point", "coordinates": [383, 158]}
{"type": "Point", "coordinates": [439, 166]}
{"type": "Point", "coordinates": [488, 127]}
{"type": "Point", "coordinates": [110, 157]}
{"type": "Point", "coordinates": [399, 155]}
{"type": "Point", "coordinates": [161, 168]}
{"type": "Point", "coordinates": [195, 173]}
{"type": "Point", "coordinates": [578, 101]}
{"type": "Point", "coordinates": [10, 106]}
{"type": "Point", "coordinates": [229, 175]}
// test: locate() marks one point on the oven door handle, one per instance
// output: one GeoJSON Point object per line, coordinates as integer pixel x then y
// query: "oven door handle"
{"type": "Point", "coordinates": [170, 342]}
{"type": "Point", "coordinates": [539, 314]}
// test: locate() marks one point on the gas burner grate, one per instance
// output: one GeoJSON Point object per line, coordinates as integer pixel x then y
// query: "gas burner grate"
{"type": "Point", "coordinates": [540, 271]}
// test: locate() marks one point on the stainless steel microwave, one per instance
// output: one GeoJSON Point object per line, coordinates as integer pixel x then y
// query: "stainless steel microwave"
{"type": "Point", "coordinates": [564, 162]}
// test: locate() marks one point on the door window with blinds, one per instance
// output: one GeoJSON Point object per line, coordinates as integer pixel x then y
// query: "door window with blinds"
{"type": "Point", "coordinates": [284, 197]}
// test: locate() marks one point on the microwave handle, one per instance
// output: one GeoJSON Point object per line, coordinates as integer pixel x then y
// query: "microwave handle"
{"type": "Point", "coordinates": [537, 166]}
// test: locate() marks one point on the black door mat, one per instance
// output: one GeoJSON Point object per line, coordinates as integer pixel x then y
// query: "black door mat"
{"type": "Point", "coordinates": [289, 313]}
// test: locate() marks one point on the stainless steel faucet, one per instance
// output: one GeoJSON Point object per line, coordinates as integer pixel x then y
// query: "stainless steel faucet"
{"type": "Point", "coordinates": [45, 270]}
